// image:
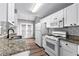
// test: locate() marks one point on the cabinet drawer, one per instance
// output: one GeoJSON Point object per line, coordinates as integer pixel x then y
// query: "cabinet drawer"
{"type": "Point", "coordinates": [68, 46]}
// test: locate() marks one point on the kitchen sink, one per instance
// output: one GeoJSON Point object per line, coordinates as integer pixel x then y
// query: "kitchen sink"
{"type": "Point", "coordinates": [17, 37]}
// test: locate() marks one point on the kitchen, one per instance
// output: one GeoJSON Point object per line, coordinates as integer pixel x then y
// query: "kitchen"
{"type": "Point", "coordinates": [39, 29]}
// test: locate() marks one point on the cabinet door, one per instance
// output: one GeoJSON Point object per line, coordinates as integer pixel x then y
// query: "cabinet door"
{"type": "Point", "coordinates": [61, 18]}
{"type": "Point", "coordinates": [49, 20]}
{"type": "Point", "coordinates": [67, 49]}
{"type": "Point", "coordinates": [65, 17]}
{"type": "Point", "coordinates": [65, 52]}
{"type": "Point", "coordinates": [71, 15]}
{"type": "Point", "coordinates": [44, 41]}
{"type": "Point", "coordinates": [60, 15]}
{"type": "Point", "coordinates": [53, 21]}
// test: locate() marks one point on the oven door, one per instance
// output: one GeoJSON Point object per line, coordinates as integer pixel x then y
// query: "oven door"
{"type": "Point", "coordinates": [52, 46]}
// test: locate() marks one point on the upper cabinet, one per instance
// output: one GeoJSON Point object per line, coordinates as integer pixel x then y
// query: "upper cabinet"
{"type": "Point", "coordinates": [66, 17]}
{"type": "Point", "coordinates": [11, 9]}
{"type": "Point", "coordinates": [60, 15]}
{"type": "Point", "coordinates": [70, 15]}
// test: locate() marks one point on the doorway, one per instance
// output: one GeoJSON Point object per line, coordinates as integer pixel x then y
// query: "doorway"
{"type": "Point", "coordinates": [27, 30]}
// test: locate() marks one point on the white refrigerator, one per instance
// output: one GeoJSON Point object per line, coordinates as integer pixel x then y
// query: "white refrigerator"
{"type": "Point", "coordinates": [40, 30]}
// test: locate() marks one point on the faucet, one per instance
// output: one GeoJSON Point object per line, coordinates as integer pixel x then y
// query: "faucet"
{"type": "Point", "coordinates": [8, 32]}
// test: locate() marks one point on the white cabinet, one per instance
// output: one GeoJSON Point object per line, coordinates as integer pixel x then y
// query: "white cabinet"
{"type": "Point", "coordinates": [48, 20]}
{"type": "Point", "coordinates": [44, 41]}
{"type": "Point", "coordinates": [70, 15]}
{"type": "Point", "coordinates": [38, 38]}
{"type": "Point", "coordinates": [11, 8]}
{"type": "Point", "coordinates": [65, 17]}
{"type": "Point", "coordinates": [68, 49]}
{"type": "Point", "coordinates": [52, 21]}
{"type": "Point", "coordinates": [44, 20]}
{"type": "Point", "coordinates": [60, 14]}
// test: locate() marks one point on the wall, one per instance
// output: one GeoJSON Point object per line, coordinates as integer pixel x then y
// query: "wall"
{"type": "Point", "coordinates": [3, 18]}
{"type": "Point", "coordinates": [70, 30]}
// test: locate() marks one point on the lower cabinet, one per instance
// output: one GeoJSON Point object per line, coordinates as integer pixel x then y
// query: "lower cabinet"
{"type": "Point", "coordinates": [44, 41]}
{"type": "Point", "coordinates": [65, 52]}
{"type": "Point", "coordinates": [68, 49]}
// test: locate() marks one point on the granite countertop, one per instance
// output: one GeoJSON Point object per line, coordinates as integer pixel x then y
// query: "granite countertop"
{"type": "Point", "coordinates": [9, 47]}
{"type": "Point", "coordinates": [72, 39]}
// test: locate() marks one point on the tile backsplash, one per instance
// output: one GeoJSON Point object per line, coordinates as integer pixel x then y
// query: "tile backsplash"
{"type": "Point", "coordinates": [70, 30]}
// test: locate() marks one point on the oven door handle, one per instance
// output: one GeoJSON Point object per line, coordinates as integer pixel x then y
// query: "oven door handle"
{"type": "Point", "coordinates": [50, 39]}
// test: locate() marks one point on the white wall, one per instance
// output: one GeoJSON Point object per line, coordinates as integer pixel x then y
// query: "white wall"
{"type": "Point", "coordinates": [3, 11]}
{"type": "Point", "coordinates": [3, 18]}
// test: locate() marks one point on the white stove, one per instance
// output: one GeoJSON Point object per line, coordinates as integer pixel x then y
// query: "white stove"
{"type": "Point", "coordinates": [50, 37]}
{"type": "Point", "coordinates": [52, 42]}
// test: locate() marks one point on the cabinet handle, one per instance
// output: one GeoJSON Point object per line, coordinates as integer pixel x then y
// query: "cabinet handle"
{"type": "Point", "coordinates": [60, 46]}
{"type": "Point", "coordinates": [12, 21]}
{"type": "Point", "coordinates": [71, 24]}
{"type": "Point", "coordinates": [66, 44]}
{"type": "Point", "coordinates": [74, 24]}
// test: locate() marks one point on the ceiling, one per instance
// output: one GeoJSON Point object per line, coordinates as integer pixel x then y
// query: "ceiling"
{"type": "Point", "coordinates": [44, 10]}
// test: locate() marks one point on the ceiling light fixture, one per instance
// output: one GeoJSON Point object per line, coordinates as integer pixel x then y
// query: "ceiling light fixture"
{"type": "Point", "coordinates": [36, 7]}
